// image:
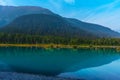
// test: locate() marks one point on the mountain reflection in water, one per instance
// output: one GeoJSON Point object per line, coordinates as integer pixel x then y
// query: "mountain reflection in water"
{"type": "Point", "coordinates": [55, 61]}
{"type": "Point", "coordinates": [106, 72]}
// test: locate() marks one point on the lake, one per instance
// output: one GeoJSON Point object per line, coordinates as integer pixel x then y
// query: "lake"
{"type": "Point", "coordinates": [88, 64]}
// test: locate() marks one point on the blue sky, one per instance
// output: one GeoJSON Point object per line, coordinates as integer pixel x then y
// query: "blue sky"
{"type": "Point", "coordinates": [103, 12]}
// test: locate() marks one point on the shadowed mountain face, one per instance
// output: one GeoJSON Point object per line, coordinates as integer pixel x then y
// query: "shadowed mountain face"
{"type": "Point", "coordinates": [10, 12]}
{"type": "Point", "coordinates": [42, 24]}
{"type": "Point", "coordinates": [55, 25]}
{"type": "Point", "coordinates": [40, 21]}
{"type": "Point", "coordinates": [99, 30]}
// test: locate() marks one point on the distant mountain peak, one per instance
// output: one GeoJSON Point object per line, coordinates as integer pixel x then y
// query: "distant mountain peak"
{"type": "Point", "coordinates": [9, 13]}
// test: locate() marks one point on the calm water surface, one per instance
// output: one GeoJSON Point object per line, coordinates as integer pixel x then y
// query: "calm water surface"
{"type": "Point", "coordinates": [91, 64]}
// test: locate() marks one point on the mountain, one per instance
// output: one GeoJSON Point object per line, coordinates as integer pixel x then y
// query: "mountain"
{"type": "Point", "coordinates": [9, 13]}
{"type": "Point", "coordinates": [94, 28]}
{"type": "Point", "coordinates": [41, 21]}
{"type": "Point", "coordinates": [55, 25]}
{"type": "Point", "coordinates": [43, 24]}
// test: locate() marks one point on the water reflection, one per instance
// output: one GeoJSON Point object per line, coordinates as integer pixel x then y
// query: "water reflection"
{"type": "Point", "coordinates": [55, 61]}
{"type": "Point", "coordinates": [4, 67]}
{"type": "Point", "coordinates": [106, 72]}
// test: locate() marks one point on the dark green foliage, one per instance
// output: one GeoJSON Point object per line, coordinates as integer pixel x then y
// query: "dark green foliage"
{"type": "Point", "coordinates": [36, 39]}
{"type": "Point", "coordinates": [54, 29]}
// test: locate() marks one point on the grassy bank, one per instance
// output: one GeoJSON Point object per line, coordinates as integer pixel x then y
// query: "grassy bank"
{"type": "Point", "coordinates": [58, 46]}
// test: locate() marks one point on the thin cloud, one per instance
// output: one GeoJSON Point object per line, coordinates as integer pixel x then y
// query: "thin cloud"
{"type": "Point", "coordinates": [2, 2]}
{"type": "Point", "coordinates": [107, 15]}
{"type": "Point", "coordinates": [7, 2]}
{"type": "Point", "coordinates": [70, 1]}
{"type": "Point", "coordinates": [56, 4]}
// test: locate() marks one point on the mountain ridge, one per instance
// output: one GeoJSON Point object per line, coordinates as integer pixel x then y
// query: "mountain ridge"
{"type": "Point", "coordinates": [9, 13]}
{"type": "Point", "coordinates": [43, 24]}
{"type": "Point", "coordinates": [52, 24]}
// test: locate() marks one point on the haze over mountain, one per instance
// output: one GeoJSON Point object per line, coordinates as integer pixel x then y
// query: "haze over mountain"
{"type": "Point", "coordinates": [103, 12]}
{"type": "Point", "coordinates": [42, 24]}
{"type": "Point", "coordinates": [40, 21]}
{"type": "Point", "coordinates": [9, 13]}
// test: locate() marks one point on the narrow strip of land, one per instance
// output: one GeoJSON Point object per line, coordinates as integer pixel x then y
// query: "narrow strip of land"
{"type": "Point", "coordinates": [58, 46]}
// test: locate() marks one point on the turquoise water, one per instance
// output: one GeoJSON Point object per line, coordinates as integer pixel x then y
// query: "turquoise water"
{"type": "Point", "coordinates": [81, 63]}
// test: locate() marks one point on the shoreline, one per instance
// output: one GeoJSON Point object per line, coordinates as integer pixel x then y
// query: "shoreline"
{"type": "Point", "coordinates": [58, 46]}
{"type": "Point", "coordinates": [23, 76]}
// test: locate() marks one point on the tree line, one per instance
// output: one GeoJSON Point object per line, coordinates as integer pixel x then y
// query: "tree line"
{"type": "Point", "coordinates": [37, 39]}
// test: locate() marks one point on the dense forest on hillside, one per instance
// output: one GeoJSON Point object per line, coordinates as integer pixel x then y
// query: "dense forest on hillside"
{"type": "Point", "coordinates": [55, 25]}
{"type": "Point", "coordinates": [36, 39]}
{"type": "Point", "coordinates": [36, 25]}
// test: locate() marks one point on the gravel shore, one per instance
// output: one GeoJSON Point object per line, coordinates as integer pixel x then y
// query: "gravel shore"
{"type": "Point", "coordinates": [20, 76]}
